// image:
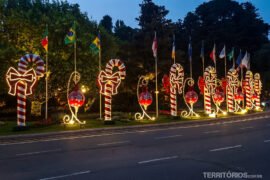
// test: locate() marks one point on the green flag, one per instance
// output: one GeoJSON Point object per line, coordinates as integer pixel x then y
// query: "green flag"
{"type": "Point", "coordinates": [231, 54]}
{"type": "Point", "coordinates": [71, 35]}
{"type": "Point", "coordinates": [95, 46]}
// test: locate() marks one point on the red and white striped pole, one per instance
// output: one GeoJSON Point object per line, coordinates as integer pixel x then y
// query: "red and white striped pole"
{"type": "Point", "coordinates": [248, 89]}
{"type": "Point", "coordinates": [257, 89]}
{"type": "Point", "coordinates": [207, 92]}
{"type": "Point", "coordinates": [176, 83]}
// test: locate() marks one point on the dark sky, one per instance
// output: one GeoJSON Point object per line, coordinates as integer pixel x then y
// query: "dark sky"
{"type": "Point", "coordinates": [128, 10]}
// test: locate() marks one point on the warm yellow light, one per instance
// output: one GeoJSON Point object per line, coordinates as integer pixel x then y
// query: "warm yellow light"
{"type": "Point", "coordinates": [224, 113]}
{"type": "Point", "coordinates": [71, 122]}
{"type": "Point", "coordinates": [84, 89]}
{"type": "Point", "coordinates": [212, 115]}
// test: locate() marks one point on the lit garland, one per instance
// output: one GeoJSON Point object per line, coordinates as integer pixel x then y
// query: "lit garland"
{"type": "Point", "coordinates": [21, 82]}
{"type": "Point", "coordinates": [109, 83]}
{"type": "Point", "coordinates": [258, 90]}
{"type": "Point", "coordinates": [74, 100]}
{"type": "Point", "coordinates": [190, 98]}
{"type": "Point", "coordinates": [142, 82]}
{"type": "Point", "coordinates": [176, 86]}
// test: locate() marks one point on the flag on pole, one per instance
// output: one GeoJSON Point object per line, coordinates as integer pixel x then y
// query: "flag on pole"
{"type": "Point", "coordinates": [71, 35]}
{"type": "Point", "coordinates": [45, 40]}
{"type": "Point", "coordinates": [213, 54]}
{"type": "Point", "coordinates": [239, 58]}
{"type": "Point", "coordinates": [245, 61]}
{"type": "Point", "coordinates": [173, 48]}
{"type": "Point", "coordinates": [202, 50]}
{"type": "Point", "coordinates": [222, 54]}
{"type": "Point", "coordinates": [231, 54]}
{"type": "Point", "coordinates": [190, 50]}
{"type": "Point", "coordinates": [95, 46]}
{"type": "Point", "coordinates": [155, 46]}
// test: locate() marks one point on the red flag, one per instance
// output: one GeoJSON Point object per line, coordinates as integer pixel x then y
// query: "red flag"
{"type": "Point", "coordinates": [155, 46]}
{"type": "Point", "coordinates": [213, 54]}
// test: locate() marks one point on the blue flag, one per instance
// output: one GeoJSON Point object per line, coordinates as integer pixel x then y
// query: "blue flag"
{"type": "Point", "coordinates": [239, 58]}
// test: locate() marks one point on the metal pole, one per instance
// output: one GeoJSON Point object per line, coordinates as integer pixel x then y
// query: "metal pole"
{"type": "Point", "coordinates": [225, 59]}
{"type": "Point", "coordinates": [47, 76]}
{"type": "Point", "coordinates": [99, 68]}
{"type": "Point", "coordinates": [75, 54]}
{"type": "Point", "coordinates": [156, 87]}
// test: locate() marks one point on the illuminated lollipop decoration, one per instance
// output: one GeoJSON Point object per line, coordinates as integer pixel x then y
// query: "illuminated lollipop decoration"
{"type": "Point", "coordinates": [176, 86]}
{"type": "Point", "coordinates": [22, 81]}
{"type": "Point", "coordinates": [248, 87]}
{"type": "Point", "coordinates": [109, 83]}
{"type": "Point", "coordinates": [190, 98]}
{"type": "Point", "coordinates": [75, 99]}
{"type": "Point", "coordinates": [258, 90]}
{"type": "Point", "coordinates": [218, 96]}
{"type": "Point", "coordinates": [144, 98]}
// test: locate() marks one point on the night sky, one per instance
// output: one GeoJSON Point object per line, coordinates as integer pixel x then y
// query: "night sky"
{"type": "Point", "coordinates": [128, 10]}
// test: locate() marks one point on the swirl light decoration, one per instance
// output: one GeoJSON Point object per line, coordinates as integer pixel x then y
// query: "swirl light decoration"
{"type": "Point", "coordinates": [22, 81]}
{"type": "Point", "coordinates": [257, 90]}
{"type": "Point", "coordinates": [176, 86]}
{"type": "Point", "coordinates": [142, 83]}
{"type": "Point", "coordinates": [109, 83]}
{"type": "Point", "coordinates": [75, 99]}
{"type": "Point", "coordinates": [190, 98]}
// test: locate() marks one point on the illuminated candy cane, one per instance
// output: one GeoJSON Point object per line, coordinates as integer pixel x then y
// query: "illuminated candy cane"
{"type": "Point", "coordinates": [230, 90]}
{"type": "Point", "coordinates": [109, 83]}
{"type": "Point", "coordinates": [21, 82]}
{"type": "Point", "coordinates": [176, 83]}
{"type": "Point", "coordinates": [210, 83]}
{"type": "Point", "coordinates": [257, 89]}
{"type": "Point", "coordinates": [248, 89]}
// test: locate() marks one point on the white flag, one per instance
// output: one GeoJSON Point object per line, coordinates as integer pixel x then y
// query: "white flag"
{"type": "Point", "coordinates": [222, 53]}
{"type": "Point", "coordinates": [245, 61]}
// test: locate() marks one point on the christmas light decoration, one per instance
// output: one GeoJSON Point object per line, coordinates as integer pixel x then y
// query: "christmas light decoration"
{"type": "Point", "coordinates": [176, 86]}
{"type": "Point", "coordinates": [248, 87]}
{"type": "Point", "coordinates": [109, 83]}
{"type": "Point", "coordinates": [190, 98]}
{"type": "Point", "coordinates": [144, 98]}
{"type": "Point", "coordinates": [210, 82]}
{"type": "Point", "coordinates": [75, 99]}
{"type": "Point", "coordinates": [257, 90]}
{"type": "Point", "coordinates": [22, 81]}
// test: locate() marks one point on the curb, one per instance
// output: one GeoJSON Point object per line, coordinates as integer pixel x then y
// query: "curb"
{"type": "Point", "coordinates": [125, 128]}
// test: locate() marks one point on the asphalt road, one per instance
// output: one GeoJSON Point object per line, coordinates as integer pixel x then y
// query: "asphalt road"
{"type": "Point", "coordinates": [190, 152]}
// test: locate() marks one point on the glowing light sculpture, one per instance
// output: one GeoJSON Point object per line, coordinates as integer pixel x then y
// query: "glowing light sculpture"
{"type": "Point", "coordinates": [75, 99]}
{"type": "Point", "coordinates": [22, 81]}
{"type": "Point", "coordinates": [190, 98]}
{"type": "Point", "coordinates": [176, 86]}
{"type": "Point", "coordinates": [248, 87]}
{"type": "Point", "coordinates": [210, 80]}
{"type": "Point", "coordinates": [109, 83]}
{"type": "Point", "coordinates": [257, 90]}
{"type": "Point", "coordinates": [143, 83]}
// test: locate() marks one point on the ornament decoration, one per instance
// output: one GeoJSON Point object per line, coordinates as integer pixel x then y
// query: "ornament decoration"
{"type": "Point", "coordinates": [22, 81]}
{"type": "Point", "coordinates": [190, 98]}
{"type": "Point", "coordinates": [109, 83]}
{"type": "Point", "coordinates": [144, 98]}
{"type": "Point", "coordinates": [176, 86]}
{"type": "Point", "coordinates": [75, 99]}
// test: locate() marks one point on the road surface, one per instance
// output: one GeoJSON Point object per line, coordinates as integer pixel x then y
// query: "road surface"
{"type": "Point", "coordinates": [197, 151]}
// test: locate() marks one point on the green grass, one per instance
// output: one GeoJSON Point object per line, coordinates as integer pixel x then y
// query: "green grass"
{"type": "Point", "coordinates": [125, 119]}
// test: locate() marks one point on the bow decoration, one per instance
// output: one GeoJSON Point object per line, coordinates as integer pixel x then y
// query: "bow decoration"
{"type": "Point", "coordinates": [105, 79]}
{"type": "Point", "coordinates": [177, 82]}
{"type": "Point", "coordinates": [27, 78]}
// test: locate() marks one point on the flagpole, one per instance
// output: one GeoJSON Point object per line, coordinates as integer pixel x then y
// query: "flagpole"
{"type": "Point", "coordinates": [156, 81]}
{"type": "Point", "coordinates": [225, 58]}
{"type": "Point", "coordinates": [47, 76]}
{"type": "Point", "coordinates": [99, 68]}
{"type": "Point", "coordinates": [190, 56]}
{"type": "Point", "coordinates": [203, 56]}
{"type": "Point", "coordinates": [174, 49]}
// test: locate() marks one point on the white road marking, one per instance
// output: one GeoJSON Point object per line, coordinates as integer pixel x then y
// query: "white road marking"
{"type": "Point", "coordinates": [166, 137]}
{"type": "Point", "coordinates": [132, 132]}
{"type": "Point", "coordinates": [158, 159]}
{"type": "Point", "coordinates": [113, 143]}
{"type": "Point", "coordinates": [211, 132]}
{"type": "Point", "coordinates": [267, 141]}
{"type": "Point", "coordinates": [248, 127]}
{"type": "Point", "coordinates": [225, 148]}
{"type": "Point", "coordinates": [67, 175]}
{"type": "Point", "coordinates": [38, 152]}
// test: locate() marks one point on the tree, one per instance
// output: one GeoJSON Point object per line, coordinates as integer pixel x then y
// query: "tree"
{"type": "Point", "coordinates": [106, 23]}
